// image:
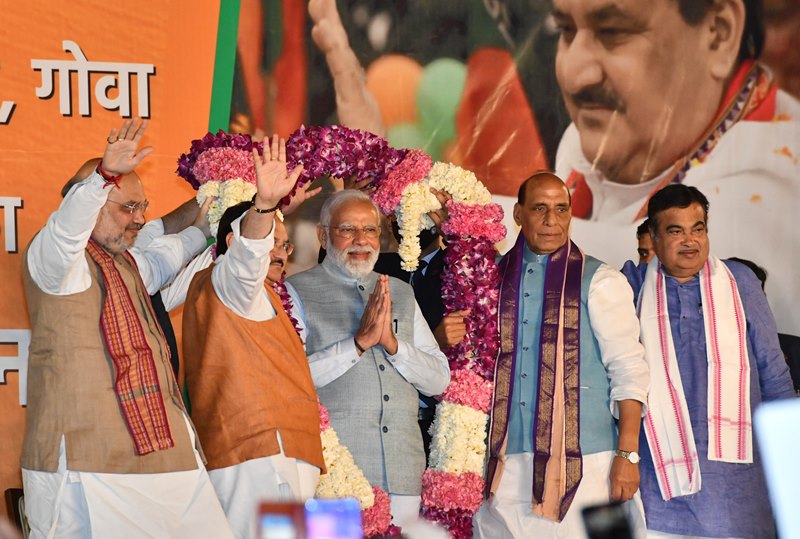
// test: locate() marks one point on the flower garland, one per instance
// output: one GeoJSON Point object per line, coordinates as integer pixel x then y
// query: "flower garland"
{"type": "Point", "coordinates": [452, 486]}
{"type": "Point", "coordinates": [340, 152]}
{"type": "Point", "coordinates": [417, 200]}
{"type": "Point", "coordinates": [286, 301]}
{"type": "Point", "coordinates": [345, 479]}
{"type": "Point", "coordinates": [220, 166]}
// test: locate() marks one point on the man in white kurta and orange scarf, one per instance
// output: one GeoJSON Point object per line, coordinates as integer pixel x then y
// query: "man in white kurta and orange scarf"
{"type": "Point", "coordinates": [570, 364]}
{"type": "Point", "coordinates": [670, 91]}
{"type": "Point", "coordinates": [714, 355]}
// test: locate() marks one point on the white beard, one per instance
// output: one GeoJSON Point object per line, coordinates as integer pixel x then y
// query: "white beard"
{"type": "Point", "coordinates": [355, 269]}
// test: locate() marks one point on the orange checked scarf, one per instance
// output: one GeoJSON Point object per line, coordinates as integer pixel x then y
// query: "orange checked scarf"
{"type": "Point", "coordinates": [751, 96]}
{"type": "Point", "coordinates": [135, 376]}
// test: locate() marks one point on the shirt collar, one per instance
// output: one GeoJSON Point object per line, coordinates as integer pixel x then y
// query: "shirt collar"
{"type": "Point", "coordinates": [529, 256]}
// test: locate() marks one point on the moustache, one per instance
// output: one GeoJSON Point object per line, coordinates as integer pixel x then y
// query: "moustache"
{"type": "Point", "coordinates": [134, 226]}
{"type": "Point", "coordinates": [598, 96]}
{"type": "Point", "coordinates": [354, 250]}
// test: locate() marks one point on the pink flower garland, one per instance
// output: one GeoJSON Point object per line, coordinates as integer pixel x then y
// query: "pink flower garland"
{"type": "Point", "coordinates": [286, 301]}
{"type": "Point", "coordinates": [474, 221]}
{"type": "Point", "coordinates": [470, 280]}
{"type": "Point", "coordinates": [410, 170]}
{"type": "Point", "coordinates": [224, 163]}
{"type": "Point", "coordinates": [377, 520]}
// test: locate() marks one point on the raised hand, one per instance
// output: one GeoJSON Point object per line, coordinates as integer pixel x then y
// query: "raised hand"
{"type": "Point", "coordinates": [201, 221]}
{"type": "Point", "coordinates": [272, 180]}
{"type": "Point", "coordinates": [355, 104]}
{"type": "Point", "coordinates": [441, 215]}
{"type": "Point", "coordinates": [300, 195]}
{"type": "Point", "coordinates": [328, 32]}
{"type": "Point", "coordinates": [121, 155]}
{"type": "Point", "coordinates": [352, 182]}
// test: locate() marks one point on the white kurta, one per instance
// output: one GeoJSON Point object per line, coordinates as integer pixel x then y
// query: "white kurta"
{"type": "Point", "coordinates": [70, 504]}
{"type": "Point", "coordinates": [79, 505]}
{"type": "Point", "coordinates": [508, 514]}
{"type": "Point", "coordinates": [752, 182]}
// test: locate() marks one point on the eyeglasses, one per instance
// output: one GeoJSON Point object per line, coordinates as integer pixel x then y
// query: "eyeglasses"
{"type": "Point", "coordinates": [349, 232]}
{"type": "Point", "coordinates": [132, 207]}
{"type": "Point", "coordinates": [288, 247]}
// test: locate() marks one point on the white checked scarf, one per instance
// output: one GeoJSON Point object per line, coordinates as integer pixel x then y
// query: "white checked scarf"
{"type": "Point", "coordinates": [667, 425]}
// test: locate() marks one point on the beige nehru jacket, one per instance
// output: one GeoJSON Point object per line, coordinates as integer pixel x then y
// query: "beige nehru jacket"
{"type": "Point", "coordinates": [71, 384]}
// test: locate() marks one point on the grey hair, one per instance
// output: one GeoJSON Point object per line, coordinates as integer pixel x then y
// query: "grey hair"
{"type": "Point", "coordinates": [336, 200]}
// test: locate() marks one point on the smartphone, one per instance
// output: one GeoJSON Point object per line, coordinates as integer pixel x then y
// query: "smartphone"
{"type": "Point", "coordinates": [607, 521]}
{"type": "Point", "coordinates": [281, 521]}
{"type": "Point", "coordinates": [333, 519]}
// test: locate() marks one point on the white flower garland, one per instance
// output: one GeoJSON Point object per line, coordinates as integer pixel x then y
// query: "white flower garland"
{"type": "Point", "coordinates": [458, 439]}
{"type": "Point", "coordinates": [344, 478]}
{"type": "Point", "coordinates": [417, 200]}
{"type": "Point", "coordinates": [228, 193]}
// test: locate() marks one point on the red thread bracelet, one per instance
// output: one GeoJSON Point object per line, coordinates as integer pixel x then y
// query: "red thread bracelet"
{"type": "Point", "coordinates": [110, 179]}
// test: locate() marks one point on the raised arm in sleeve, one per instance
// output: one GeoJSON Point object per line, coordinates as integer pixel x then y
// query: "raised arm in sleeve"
{"type": "Point", "coordinates": [164, 256]}
{"type": "Point", "coordinates": [56, 259]}
{"type": "Point", "coordinates": [238, 276]}
{"type": "Point", "coordinates": [174, 294]}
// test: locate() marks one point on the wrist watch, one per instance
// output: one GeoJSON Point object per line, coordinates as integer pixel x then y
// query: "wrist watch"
{"type": "Point", "coordinates": [630, 456]}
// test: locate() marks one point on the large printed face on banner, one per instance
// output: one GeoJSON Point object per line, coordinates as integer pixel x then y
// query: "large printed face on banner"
{"type": "Point", "coordinates": [639, 82]}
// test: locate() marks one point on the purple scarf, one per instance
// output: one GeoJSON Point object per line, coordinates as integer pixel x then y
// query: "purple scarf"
{"type": "Point", "coordinates": [560, 314]}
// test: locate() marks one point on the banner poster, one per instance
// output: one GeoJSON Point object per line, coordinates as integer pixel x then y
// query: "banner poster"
{"type": "Point", "coordinates": [503, 88]}
{"type": "Point", "coordinates": [508, 87]}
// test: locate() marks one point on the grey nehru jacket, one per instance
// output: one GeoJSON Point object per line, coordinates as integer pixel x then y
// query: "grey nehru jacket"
{"type": "Point", "coordinates": [372, 399]}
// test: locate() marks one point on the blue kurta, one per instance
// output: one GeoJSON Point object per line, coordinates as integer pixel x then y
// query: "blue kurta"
{"type": "Point", "coordinates": [732, 501]}
{"type": "Point", "coordinates": [598, 431]}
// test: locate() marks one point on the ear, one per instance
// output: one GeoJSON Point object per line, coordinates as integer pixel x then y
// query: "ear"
{"type": "Point", "coordinates": [725, 22]}
{"type": "Point", "coordinates": [229, 239]}
{"type": "Point", "coordinates": [518, 214]}
{"type": "Point", "coordinates": [322, 236]}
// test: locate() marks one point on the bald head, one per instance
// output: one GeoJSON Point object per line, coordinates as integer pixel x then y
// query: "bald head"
{"type": "Point", "coordinates": [538, 179]}
{"type": "Point", "coordinates": [82, 173]}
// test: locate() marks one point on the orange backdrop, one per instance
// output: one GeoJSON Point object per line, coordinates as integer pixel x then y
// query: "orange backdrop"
{"type": "Point", "coordinates": [40, 148]}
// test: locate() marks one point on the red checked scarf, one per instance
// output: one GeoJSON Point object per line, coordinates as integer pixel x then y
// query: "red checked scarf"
{"type": "Point", "coordinates": [135, 377]}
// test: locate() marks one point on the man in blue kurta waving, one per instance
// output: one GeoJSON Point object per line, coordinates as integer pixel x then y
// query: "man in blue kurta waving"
{"type": "Point", "coordinates": [570, 380]}
{"type": "Point", "coordinates": [714, 355]}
